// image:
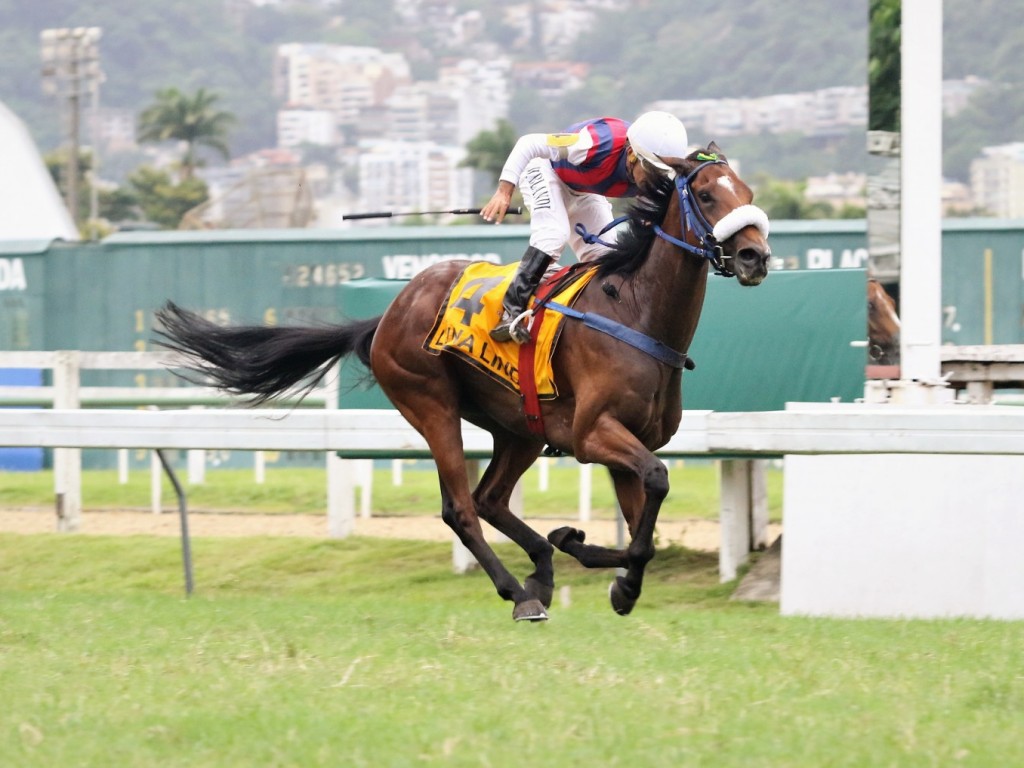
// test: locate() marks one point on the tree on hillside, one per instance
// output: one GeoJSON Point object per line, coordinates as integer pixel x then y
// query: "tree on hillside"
{"type": "Point", "coordinates": [177, 116]}
{"type": "Point", "coordinates": [161, 200]}
{"type": "Point", "coordinates": [787, 200]}
{"type": "Point", "coordinates": [884, 66]}
{"type": "Point", "coordinates": [488, 150]}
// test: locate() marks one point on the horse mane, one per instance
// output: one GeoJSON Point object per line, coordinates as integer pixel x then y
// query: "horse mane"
{"type": "Point", "coordinates": [634, 243]}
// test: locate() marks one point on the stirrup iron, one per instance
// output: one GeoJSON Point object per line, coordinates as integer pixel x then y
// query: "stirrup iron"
{"type": "Point", "coordinates": [519, 327]}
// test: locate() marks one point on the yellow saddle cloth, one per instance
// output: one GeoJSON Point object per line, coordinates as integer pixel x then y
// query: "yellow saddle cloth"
{"type": "Point", "coordinates": [473, 308]}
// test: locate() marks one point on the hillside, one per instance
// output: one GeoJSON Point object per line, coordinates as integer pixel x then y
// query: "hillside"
{"type": "Point", "coordinates": [652, 50]}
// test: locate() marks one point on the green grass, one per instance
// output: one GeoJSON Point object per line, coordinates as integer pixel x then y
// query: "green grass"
{"type": "Point", "coordinates": [694, 491]}
{"type": "Point", "coordinates": [371, 653]}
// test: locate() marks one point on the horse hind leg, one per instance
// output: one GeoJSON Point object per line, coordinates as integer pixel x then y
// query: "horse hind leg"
{"type": "Point", "coordinates": [512, 457]}
{"type": "Point", "coordinates": [443, 434]}
{"type": "Point", "coordinates": [464, 521]}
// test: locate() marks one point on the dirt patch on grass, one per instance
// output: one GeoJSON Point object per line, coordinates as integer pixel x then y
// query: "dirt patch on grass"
{"type": "Point", "coordinates": [694, 534]}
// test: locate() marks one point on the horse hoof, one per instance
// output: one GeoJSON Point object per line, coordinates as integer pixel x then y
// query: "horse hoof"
{"type": "Point", "coordinates": [560, 537]}
{"type": "Point", "coordinates": [621, 596]}
{"type": "Point", "coordinates": [542, 592]}
{"type": "Point", "coordinates": [530, 610]}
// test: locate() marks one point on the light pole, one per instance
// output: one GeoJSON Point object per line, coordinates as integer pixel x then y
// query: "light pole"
{"type": "Point", "coordinates": [71, 68]}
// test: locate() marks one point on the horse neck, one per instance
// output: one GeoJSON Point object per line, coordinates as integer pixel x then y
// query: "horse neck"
{"type": "Point", "coordinates": [669, 289]}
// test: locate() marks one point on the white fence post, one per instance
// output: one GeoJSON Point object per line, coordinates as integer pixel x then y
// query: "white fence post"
{"type": "Point", "coordinates": [743, 513]}
{"type": "Point", "coordinates": [759, 504]}
{"type": "Point", "coordinates": [67, 462]}
{"type": "Point", "coordinates": [341, 511]}
{"type": "Point", "coordinates": [462, 558]}
{"type": "Point", "coordinates": [259, 465]}
{"type": "Point", "coordinates": [122, 466]}
{"type": "Point", "coordinates": [364, 479]}
{"type": "Point", "coordinates": [734, 517]}
{"type": "Point", "coordinates": [586, 491]}
{"type": "Point", "coordinates": [341, 508]}
{"type": "Point", "coordinates": [543, 473]}
{"type": "Point", "coordinates": [196, 460]}
{"type": "Point", "coordinates": [155, 483]}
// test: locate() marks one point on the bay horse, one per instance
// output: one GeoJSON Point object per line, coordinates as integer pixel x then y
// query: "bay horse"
{"type": "Point", "coordinates": [616, 403]}
{"type": "Point", "coordinates": [883, 325]}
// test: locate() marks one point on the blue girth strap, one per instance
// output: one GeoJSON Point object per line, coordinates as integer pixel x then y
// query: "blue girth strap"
{"type": "Point", "coordinates": [641, 341]}
{"type": "Point", "coordinates": [693, 220]}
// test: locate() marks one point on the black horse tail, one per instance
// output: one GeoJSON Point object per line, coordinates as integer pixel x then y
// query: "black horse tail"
{"type": "Point", "coordinates": [261, 362]}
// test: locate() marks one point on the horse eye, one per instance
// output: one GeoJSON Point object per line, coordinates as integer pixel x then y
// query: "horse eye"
{"type": "Point", "coordinates": [705, 197]}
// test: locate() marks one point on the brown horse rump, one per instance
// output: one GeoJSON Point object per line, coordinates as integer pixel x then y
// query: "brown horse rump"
{"type": "Point", "coordinates": [473, 307]}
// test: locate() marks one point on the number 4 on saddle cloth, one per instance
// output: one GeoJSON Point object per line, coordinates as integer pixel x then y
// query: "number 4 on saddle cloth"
{"type": "Point", "coordinates": [473, 308]}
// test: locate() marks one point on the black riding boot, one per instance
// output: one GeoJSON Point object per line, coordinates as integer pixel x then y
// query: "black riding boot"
{"type": "Point", "coordinates": [524, 283]}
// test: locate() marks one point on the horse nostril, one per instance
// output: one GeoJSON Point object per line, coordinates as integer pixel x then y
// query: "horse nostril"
{"type": "Point", "coordinates": [754, 256]}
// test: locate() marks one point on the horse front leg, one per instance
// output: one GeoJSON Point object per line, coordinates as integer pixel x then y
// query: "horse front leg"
{"type": "Point", "coordinates": [640, 497]}
{"type": "Point", "coordinates": [641, 484]}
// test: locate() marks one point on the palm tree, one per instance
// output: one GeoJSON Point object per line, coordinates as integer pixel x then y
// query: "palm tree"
{"type": "Point", "coordinates": [191, 119]}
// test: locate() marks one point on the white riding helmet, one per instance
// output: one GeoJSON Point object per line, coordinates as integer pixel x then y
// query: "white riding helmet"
{"type": "Point", "coordinates": [655, 135]}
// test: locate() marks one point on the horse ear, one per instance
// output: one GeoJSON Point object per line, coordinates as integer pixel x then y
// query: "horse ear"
{"type": "Point", "coordinates": [714, 149]}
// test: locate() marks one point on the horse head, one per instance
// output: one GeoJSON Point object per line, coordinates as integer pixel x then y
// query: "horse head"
{"type": "Point", "coordinates": [883, 325]}
{"type": "Point", "coordinates": [719, 216]}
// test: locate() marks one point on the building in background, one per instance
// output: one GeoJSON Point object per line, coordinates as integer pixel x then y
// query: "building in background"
{"type": "Point", "coordinates": [305, 125]}
{"type": "Point", "coordinates": [344, 80]}
{"type": "Point", "coordinates": [406, 176]}
{"type": "Point", "coordinates": [997, 181]}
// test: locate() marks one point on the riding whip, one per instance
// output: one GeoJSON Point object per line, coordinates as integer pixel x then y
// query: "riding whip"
{"type": "Point", "coordinates": [517, 211]}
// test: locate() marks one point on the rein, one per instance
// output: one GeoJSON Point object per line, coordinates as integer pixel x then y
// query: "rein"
{"type": "Point", "coordinates": [709, 247]}
{"type": "Point", "coordinates": [709, 238]}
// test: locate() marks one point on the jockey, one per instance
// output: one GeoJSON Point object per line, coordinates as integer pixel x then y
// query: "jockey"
{"type": "Point", "coordinates": [567, 178]}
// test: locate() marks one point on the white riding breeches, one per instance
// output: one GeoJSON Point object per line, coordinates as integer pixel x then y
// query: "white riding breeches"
{"type": "Point", "coordinates": [555, 210]}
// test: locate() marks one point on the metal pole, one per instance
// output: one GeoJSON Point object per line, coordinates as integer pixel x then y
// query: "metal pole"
{"type": "Point", "coordinates": [73, 131]}
{"type": "Point", "coordinates": [186, 547]}
{"type": "Point", "coordinates": [94, 132]}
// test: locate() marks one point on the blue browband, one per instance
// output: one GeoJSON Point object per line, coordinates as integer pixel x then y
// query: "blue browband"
{"type": "Point", "coordinates": [695, 221]}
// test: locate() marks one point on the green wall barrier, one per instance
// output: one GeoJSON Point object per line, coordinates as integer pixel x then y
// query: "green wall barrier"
{"type": "Point", "coordinates": [756, 349]}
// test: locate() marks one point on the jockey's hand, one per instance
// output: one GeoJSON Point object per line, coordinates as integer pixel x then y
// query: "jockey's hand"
{"type": "Point", "coordinates": [498, 204]}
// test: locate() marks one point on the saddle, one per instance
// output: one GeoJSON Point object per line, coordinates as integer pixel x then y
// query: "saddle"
{"type": "Point", "coordinates": [473, 307]}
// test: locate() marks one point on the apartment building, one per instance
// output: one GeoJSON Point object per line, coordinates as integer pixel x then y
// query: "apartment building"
{"type": "Point", "coordinates": [341, 79]}
{"type": "Point", "coordinates": [997, 181]}
{"type": "Point", "coordinates": [412, 176]}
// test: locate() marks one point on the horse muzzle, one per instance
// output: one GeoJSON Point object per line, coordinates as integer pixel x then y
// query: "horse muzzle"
{"type": "Point", "coordinates": [750, 264]}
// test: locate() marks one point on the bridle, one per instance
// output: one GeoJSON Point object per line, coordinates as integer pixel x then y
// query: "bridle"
{"type": "Point", "coordinates": [709, 238]}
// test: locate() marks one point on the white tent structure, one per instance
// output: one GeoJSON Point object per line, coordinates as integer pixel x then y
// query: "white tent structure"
{"type": "Point", "coordinates": [30, 206]}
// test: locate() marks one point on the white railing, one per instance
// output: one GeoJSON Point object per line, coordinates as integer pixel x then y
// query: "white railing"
{"type": "Point", "coordinates": [744, 439]}
{"type": "Point", "coordinates": [66, 391]}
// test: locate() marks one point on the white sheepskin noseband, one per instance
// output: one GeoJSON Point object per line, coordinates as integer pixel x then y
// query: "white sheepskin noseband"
{"type": "Point", "coordinates": [737, 219]}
